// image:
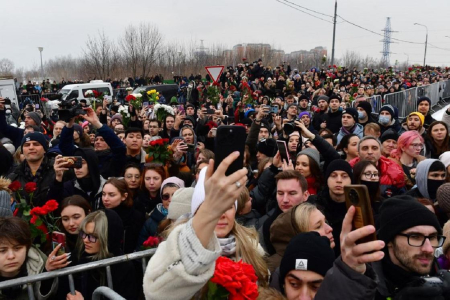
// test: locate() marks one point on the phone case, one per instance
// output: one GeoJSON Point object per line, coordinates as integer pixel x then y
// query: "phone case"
{"type": "Point", "coordinates": [282, 148]}
{"type": "Point", "coordinates": [358, 196]}
{"type": "Point", "coordinates": [230, 139]}
{"type": "Point", "coordinates": [59, 238]}
{"type": "Point", "coordinates": [73, 161]}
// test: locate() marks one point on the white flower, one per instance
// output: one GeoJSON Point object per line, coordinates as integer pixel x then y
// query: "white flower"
{"type": "Point", "coordinates": [129, 88]}
{"type": "Point", "coordinates": [137, 95]}
{"type": "Point", "coordinates": [89, 93]}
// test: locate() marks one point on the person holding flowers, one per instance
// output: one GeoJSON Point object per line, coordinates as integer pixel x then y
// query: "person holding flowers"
{"type": "Point", "coordinates": [184, 264]}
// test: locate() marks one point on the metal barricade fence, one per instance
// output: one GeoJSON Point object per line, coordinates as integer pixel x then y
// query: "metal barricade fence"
{"type": "Point", "coordinates": [445, 89]}
{"type": "Point", "coordinates": [105, 263]}
{"type": "Point", "coordinates": [33, 97]}
{"type": "Point", "coordinates": [398, 100]}
{"type": "Point", "coordinates": [376, 101]}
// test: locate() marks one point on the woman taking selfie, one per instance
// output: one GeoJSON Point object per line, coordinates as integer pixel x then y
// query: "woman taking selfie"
{"type": "Point", "coordinates": [212, 232]}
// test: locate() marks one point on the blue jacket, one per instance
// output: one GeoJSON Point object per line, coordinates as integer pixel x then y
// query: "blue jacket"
{"type": "Point", "coordinates": [359, 131]}
{"type": "Point", "coordinates": [150, 227]}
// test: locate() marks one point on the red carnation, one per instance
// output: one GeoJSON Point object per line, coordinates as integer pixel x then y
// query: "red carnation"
{"type": "Point", "coordinates": [329, 66]}
{"type": "Point", "coordinates": [34, 218]}
{"type": "Point", "coordinates": [355, 94]}
{"type": "Point", "coordinates": [130, 98]}
{"type": "Point", "coordinates": [96, 94]}
{"type": "Point", "coordinates": [151, 242]}
{"type": "Point", "coordinates": [238, 278]}
{"type": "Point", "coordinates": [51, 205]}
{"type": "Point", "coordinates": [30, 187]}
{"type": "Point", "coordinates": [39, 211]}
{"type": "Point", "coordinates": [15, 186]}
{"type": "Point", "coordinates": [152, 143]}
{"type": "Point", "coordinates": [334, 66]}
{"type": "Point", "coordinates": [166, 140]}
{"type": "Point", "coordinates": [410, 69]}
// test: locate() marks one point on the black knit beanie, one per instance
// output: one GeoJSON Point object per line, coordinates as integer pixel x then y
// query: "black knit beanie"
{"type": "Point", "coordinates": [402, 212]}
{"type": "Point", "coordinates": [389, 134]}
{"type": "Point", "coordinates": [339, 165]}
{"type": "Point", "coordinates": [366, 106]}
{"type": "Point", "coordinates": [267, 147]}
{"type": "Point", "coordinates": [307, 251]}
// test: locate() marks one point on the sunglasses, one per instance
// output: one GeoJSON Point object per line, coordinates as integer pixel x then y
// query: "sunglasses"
{"type": "Point", "coordinates": [90, 237]}
{"type": "Point", "coordinates": [166, 197]}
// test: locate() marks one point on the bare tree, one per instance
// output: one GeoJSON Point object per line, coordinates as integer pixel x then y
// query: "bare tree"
{"type": "Point", "coordinates": [6, 67]}
{"type": "Point", "coordinates": [100, 55]}
{"type": "Point", "coordinates": [140, 48]}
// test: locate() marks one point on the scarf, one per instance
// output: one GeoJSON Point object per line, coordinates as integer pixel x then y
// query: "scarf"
{"type": "Point", "coordinates": [346, 131]}
{"type": "Point", "coordinates": [29, 175]}
{"type": "Point", "coordinates": [228, 245]}
{"type": "Point", "coordinates": [162, 210]}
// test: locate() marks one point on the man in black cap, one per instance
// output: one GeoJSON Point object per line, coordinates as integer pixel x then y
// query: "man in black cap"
{"type": "Point", "coordinates": [333, 118]}
{"type": "Point", "coordinates": [331, 200]}
{"type": "Point", "coordinates": [408, 235]}
{"type": "Point", "coordinates": [303, 102]}
{"type": "Point", "coordinates": [365, 113]}
{"type": "Point", "coordinates": [35, 168]}
{"type": "Point", "coordinates": [266, 148]}
{"type": "Point", "coordinates": [349, 124]}
{"type": "Point", "coordinates": [322, 104]}
{"type": "Point", "coordinates": [424, 106]}
{"type": "Point", "coordinates": [388, 142]}
{"type": "Point", "coordinates": [305, 263]}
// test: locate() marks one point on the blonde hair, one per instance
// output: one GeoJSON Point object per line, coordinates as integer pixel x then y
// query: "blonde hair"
{"type": "Point", "coordinates": [247, 243]}
{"type": "Point", "coordinates": [302, 214]}
{"type": "Point", "coordinates": [4, 184]}
{"type": "Point", "coordinates": [242, 200]}
{"type": "Point", "coordinates": [100, 232]}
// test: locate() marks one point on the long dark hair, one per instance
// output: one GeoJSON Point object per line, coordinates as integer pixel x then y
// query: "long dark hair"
{"type": "Point", "coordinates": [344, 143]}
{"type": "Point", "coordinates": [445, 144]}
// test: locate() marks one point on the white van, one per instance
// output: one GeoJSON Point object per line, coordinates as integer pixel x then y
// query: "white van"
{"type": "Point", "coordinates": [77, 91]}
{"type": "Point", "coordinates": [8, 90]}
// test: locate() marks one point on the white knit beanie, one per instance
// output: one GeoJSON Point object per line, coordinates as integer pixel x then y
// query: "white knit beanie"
{"type": "Point", "coordinates": [445, 158]}
{"type": "Point", "coordinates": [199, 193]}
{"type": "Point", "coordinates": [180, 203]}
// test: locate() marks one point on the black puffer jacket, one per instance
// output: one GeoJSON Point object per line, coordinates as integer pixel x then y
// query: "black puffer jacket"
{"type": "Point", "coordinates": [43, 181]}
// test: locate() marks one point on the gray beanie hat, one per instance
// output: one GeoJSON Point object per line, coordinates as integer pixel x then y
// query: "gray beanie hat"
{"type": "Point", "coordinates": [181, 203]}
{"type": "Point", "coordinates": [35, 117]}
{"type": "Point", "coordinates": [5, 204]}
{"type": "Point", "coordinates": [313, 153]}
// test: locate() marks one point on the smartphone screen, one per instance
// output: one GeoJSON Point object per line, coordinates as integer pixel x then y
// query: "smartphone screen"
{"type": "Point", "coordinates": [283, 151]}
{"type": "Point", "coordinates": [210, 111]}
{"type": "Point", "coordinates": [145, 104]}
{"type": "Point", "coordinates": [59, 238]}
{"type": "Point", "coordinates": [36, 106]}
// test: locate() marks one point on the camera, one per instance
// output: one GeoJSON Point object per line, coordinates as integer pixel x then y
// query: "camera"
{"type": "Point", "coordinates": [290, 127]}
{"type": "Point", "coordinates": [70, 109]}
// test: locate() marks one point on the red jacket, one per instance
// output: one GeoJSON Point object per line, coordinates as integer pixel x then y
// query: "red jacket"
{"type": "Point", "coordinates": [392, 180]}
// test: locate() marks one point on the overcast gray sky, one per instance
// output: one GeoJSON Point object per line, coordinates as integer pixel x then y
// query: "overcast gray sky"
{"type": "Point", "coordinates": [62, 27]}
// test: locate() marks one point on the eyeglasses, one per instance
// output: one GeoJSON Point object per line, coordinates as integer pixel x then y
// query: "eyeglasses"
{"type": "Point", "coordinates": [90, 237]}
{"type": "Point", "coordinates": [417, 240]}
{"type": "Point", "coordinates": [369, 175]}
{"type": "Point", "coordinates": [417, 146]}
{"type": "Point", "coordinates": [166, 197]}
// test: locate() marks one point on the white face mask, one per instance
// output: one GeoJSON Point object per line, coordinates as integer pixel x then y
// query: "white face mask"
{"type": "Point", "coordinates": [384, 120]}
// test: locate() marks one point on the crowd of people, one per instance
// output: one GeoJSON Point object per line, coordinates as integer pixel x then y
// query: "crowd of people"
{"type": "Point", "coordinates": [138, 177]}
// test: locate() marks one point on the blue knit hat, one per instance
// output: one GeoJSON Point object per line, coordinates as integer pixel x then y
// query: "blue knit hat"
{"type": "Point", "coordinates": [35, 136]}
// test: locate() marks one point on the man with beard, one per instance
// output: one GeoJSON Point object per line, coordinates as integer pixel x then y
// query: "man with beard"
{"type": "Point", "coordinates": [414, 121]}
{"type": "Point", "coordinates": [408, 235]}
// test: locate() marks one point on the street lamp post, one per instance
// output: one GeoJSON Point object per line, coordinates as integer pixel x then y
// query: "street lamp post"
{"type": "Point", "coordinates": [42, 67]}
{"type": "Point", "coordinates": [179, 64]}
{"type": "Point", "coordinates": [426, 42]}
